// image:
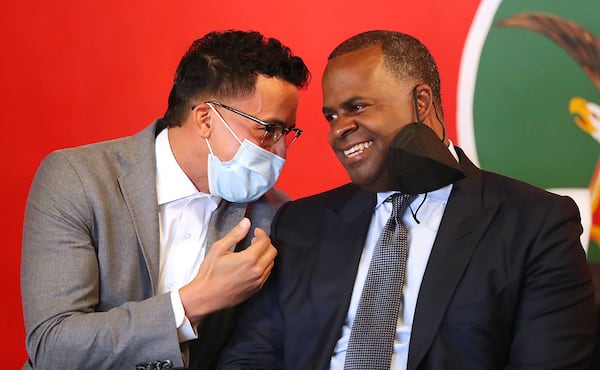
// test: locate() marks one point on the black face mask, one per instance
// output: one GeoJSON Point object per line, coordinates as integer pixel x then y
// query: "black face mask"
{"type": "Point", "coordinates": [418, 161]}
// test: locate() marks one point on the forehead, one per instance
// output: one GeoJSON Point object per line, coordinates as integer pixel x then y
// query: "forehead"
{"type": "Point", "coordinates": [273, 100]}
{"type": "Point", "coordinates": [358, 73]}
{"type": "Point", "coordinates": [359, 64]}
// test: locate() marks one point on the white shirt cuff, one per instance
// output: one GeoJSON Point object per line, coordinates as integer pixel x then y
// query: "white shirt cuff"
{"type": "Point", "coordinates": [185, 330]}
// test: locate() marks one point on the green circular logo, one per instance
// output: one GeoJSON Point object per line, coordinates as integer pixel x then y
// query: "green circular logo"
{"type": "Point", "coordinates": [529, 96]}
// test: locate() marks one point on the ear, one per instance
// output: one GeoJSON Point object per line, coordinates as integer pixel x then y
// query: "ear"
{"type": "Point", "coordinates": [427, 111]}
{"type": "Point", "coordinates": [202, 119]}
{"type": "Point", "coordinates": [424, 96]}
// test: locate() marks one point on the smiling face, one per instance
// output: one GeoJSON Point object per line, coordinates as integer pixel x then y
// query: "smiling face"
{"type": "Point", "coordinates": [365, 107]}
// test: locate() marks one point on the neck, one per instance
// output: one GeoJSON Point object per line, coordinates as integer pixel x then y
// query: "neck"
{"type": "Point", "coordinates": [191, 153]}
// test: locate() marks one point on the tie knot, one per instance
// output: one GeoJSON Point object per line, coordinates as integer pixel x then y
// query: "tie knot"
{"type": "Point", "coordinates": [400, 202]}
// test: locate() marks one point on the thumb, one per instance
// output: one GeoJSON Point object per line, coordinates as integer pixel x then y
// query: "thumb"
{"type": "Point", "coordinates": [233, 237]}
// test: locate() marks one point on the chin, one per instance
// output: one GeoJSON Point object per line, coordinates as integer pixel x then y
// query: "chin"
{"type": "Point", "coordinates": [363, 183]}
{"type": "Point", "coordinates": [371, 184]}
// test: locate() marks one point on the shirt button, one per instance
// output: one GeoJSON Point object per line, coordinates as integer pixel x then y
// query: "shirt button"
{"type": "Point", "coordinates": [187, 235]}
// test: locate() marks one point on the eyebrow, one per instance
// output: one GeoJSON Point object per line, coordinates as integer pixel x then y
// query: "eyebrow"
{"type": "Point", "coordinates": [345, 104]}
{"type": "Point", "coordinates": [277, 121]}
{"type": "Point", "coordinates": [270, 120]}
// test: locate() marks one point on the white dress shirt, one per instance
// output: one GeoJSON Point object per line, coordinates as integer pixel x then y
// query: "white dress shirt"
{"type": "Point", "coordinates": [184, 215]}
{"type": "Point", "coordinates": [420, 242]}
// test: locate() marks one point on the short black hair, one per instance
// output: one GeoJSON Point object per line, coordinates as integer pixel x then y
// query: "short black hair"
{"type": "Point", "coordinates": [404, 56]}
{"type": "Point", "coordinates": [226, 65]}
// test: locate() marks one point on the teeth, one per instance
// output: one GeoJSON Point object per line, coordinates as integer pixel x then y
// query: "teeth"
{"type": "Point", "coordinates": [357, 149]}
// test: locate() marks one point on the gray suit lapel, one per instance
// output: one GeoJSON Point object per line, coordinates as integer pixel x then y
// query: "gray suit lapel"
{"type": "Point", "coordinates": [223, 219]}
{"type": "Point", "coordinates": [138, 186]}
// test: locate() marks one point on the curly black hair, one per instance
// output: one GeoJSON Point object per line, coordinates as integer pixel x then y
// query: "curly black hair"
{"type": "Point", "coordinates": [226, 65]}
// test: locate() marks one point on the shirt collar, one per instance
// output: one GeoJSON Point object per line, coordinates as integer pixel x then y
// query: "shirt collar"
{"type": "Point", "coordinates": [452, 150]}
{"type": "Point", "coordinates": [171, 182]}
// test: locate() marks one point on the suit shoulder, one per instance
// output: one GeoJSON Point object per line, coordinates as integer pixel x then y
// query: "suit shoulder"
{"type": "Point", "coordinates": [86, 150]}
{"type": "Point", "coordinates": [274, 197]}
{"type": "Point", "coordinates": [496, 185]}
{"type": "Point", "coordinates": [103, 153]}
{"type": "Point", "coordinates": [522, 195]}
{"type": "Point", "coordinates": [328, 198]}
{"type": "Point", "coordinates": [269, 203]}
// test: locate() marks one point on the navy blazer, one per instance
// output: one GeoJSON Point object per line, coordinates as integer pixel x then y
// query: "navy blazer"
{"type": "Point", "coordinates": [506, 286]}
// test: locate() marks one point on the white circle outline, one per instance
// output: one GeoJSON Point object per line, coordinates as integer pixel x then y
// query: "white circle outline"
{"type": "Point", "coordinates": [469, 65]}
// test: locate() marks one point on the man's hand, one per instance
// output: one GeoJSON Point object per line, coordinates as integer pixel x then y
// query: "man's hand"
{"type": "Point", "coordinates": [227, 278]}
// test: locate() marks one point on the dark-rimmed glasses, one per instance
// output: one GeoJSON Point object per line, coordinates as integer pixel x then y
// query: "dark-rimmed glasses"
{"type": "Point", "coordinates": [273, 131]}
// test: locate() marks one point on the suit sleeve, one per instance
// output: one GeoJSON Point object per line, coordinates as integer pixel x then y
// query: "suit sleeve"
{"type": "Point", "coordinates": [554, 323]}
{"type": "Point", "coordinates": [67, 324]}
{"type": "Point", "coordinates": [257, 340]}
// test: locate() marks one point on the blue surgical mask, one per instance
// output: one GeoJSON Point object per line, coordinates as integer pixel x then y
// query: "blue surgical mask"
{"type": "Point", "coordinates": [247, 176]}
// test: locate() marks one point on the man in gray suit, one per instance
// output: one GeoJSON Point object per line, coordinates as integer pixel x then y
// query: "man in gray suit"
{"type": "Point", "coordinates": [136, 250]}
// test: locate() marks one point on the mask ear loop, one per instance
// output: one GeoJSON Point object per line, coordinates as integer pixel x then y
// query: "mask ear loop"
{"type": "Point", "coordinates": [224, 123]}
{"type": "Point", "coordinates": [416, 104]}
{"type": "Point", "coordinates": [440, 121]}
{"type": "Point", "coordinates": [414, 213]}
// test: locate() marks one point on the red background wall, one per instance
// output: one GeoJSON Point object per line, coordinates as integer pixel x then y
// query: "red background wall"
{"type": "Point", "coordinates": [75, 72]}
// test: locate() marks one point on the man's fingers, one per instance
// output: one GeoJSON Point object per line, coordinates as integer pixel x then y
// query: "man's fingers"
{"type": "Point", "coordinates": [267, 272]}
{"type": "Point", "coordinates": [233, 237]}
{"type": "Point", "coordinates": [261, 245]}
{"type": "Point", "coordinates": [259, 235]}
{"type": "Point", "coordinates": [260, 255]}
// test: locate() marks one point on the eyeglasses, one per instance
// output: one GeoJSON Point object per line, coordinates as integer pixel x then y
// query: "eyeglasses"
{"type": "Point", "coordinates": [273, 131]}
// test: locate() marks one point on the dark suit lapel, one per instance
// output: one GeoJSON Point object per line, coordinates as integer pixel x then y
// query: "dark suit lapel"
{"type": "Point", "coordinates": [464, 222]}
{"type": "Point", "coordinates": [336, 263]}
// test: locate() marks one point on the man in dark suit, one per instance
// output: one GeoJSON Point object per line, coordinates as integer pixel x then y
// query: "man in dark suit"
{"type": "Point", "coordinates": [496, 277]}
{"type": "Point", "coordinates": [127, 246]}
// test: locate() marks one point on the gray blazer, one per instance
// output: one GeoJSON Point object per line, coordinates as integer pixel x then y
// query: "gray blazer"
{"type": "Point", "coordinates": [90, 259]}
